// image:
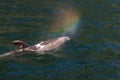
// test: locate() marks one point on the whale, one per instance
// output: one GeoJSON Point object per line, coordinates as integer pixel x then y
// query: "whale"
{"type": "Point", "coordinates": [39, 48]}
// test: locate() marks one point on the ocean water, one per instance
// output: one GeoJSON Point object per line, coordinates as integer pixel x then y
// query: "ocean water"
{"type": "Point", "coordinates": [93, 53]}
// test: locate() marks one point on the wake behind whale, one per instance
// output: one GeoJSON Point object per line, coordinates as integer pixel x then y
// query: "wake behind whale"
{"type": "Point", "coordinates": [39, 48]}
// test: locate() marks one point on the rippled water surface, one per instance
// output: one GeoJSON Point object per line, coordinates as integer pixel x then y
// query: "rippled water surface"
{"type": "Point", "coordinates": [93, 53]}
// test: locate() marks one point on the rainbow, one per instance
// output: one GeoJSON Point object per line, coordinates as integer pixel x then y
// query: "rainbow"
{"type": "Point", "coordinates": [66, 21]}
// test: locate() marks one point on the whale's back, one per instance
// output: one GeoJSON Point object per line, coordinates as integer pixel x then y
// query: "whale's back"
{"type": "Point", "coordinates": [51, 44]}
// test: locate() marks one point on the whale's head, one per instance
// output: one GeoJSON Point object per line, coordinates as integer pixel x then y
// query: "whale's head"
{"type": "Point", "coordinates": [64, 38]}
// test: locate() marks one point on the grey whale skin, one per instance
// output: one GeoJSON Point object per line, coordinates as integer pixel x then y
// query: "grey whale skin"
{"type": "Point", "coordinates": [39, 47]}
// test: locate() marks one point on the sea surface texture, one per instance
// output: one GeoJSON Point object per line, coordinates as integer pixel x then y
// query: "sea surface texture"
{"type": "Point", "coordinates": [93, 53]}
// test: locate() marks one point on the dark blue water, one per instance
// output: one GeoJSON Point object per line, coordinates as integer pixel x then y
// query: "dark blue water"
{"type": "Point", "coordinates": [92, 54]}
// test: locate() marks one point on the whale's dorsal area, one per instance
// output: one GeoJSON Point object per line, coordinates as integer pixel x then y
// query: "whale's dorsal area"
{"type": "Point", "coordinates": [47, 42]}
{"type": "Point", "coordinates": [20, 44]}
